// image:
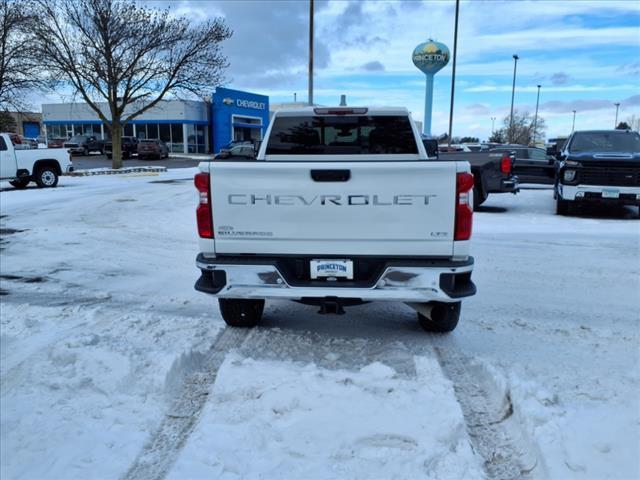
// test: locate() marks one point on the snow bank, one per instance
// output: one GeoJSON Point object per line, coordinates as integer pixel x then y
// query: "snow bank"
{"type": "Point", "coordinates": [118, 171]}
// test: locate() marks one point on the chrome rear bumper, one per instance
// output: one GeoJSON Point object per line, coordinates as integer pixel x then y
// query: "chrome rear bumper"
{"type": "Point", "coordinates": [442, 282]}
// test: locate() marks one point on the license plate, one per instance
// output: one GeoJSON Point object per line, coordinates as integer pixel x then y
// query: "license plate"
{"type": "Point", "coordinates": [331, 268]}
{"type": "Point", "coordinates": [610, 193]}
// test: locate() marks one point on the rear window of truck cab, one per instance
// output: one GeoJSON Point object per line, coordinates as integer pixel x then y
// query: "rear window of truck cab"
{"type": "Point", "coordinates": [341, 135]}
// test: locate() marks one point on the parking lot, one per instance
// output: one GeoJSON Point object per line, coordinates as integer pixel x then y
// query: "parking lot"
{"type": "Point", "coordinates": [109, 353]}
{"type": "Point", "coordinates": [82, 162]}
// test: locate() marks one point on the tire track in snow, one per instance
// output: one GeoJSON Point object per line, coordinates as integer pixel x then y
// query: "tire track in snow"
{"type": "Point", "coordinates": [162, 450]}
{"type": "Point", "coordinates": [495, 433]}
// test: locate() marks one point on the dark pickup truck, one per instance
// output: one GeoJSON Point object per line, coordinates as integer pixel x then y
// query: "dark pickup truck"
{"type": "Point", "coordinates": [84, 144]}
{"type": "Point", "coordinates": [492, 171]}
{"type": "Point", "coordinates": [598, 166]}
{"type": "Point", "coordinates": [129, 147]}
{"type": "Point", "coordinates": [531, 164]}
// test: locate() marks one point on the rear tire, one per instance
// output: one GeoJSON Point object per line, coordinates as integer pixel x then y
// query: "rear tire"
{"type": "Point", "coordinates": [20, 183]}
{"type": "Point", "coordinates": [562, 206]}
{"type": "Point", "coordinates": [443, 319]}
{"type": "Point", "coordinates": [479, 197]}
{"type": "Point", "coordinates": [46, 177]}
{"type": "Point", "coordinates": [241, 313]}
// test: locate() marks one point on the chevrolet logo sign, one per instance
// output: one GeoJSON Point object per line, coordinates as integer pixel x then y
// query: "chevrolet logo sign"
{"type": "Point", "coordinates": [227, 101]}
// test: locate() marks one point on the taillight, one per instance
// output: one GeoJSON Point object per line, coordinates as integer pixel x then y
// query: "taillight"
{"type": "Point", "coordinates": [505, 163]}
{"type": "Point", "coordinates": [464, 212]}
{"type": "Point", "coordinates": [203, 212]}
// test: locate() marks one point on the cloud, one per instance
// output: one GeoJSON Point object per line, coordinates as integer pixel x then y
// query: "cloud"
{"type": "Point", "coordinates": [374, 66]}
{"type": "Point", "coordinates": [478, 109]}
{"type": "Point", "coordinates": [269, 46]}
{"type": "Point", "coordinates": [632, 69]}
{"type": "Point", "coordinates": [559, 78]}
{"type": "Point", "coordinates": [582, 105]}
{"type": "Point", "coordinates": [634, 100]}
{"type": "Point", "coordinates": [534, 88]}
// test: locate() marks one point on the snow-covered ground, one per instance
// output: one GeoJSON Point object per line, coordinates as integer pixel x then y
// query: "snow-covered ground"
{"type": "Point", "coordinates": [107, 353]}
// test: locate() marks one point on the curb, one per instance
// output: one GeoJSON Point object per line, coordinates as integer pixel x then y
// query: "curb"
{"type": "Point", "coordinates": [110, 171]}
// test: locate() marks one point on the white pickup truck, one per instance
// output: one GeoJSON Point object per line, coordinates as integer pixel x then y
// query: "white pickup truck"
{"type": "Point", "coordinates": [41, 165]}
{"type": "Point", "coordinates": [340, 207]}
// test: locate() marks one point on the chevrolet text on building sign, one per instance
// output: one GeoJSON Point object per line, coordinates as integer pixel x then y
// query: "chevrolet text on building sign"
{"type": "Point", "coordinates": [250, 104]}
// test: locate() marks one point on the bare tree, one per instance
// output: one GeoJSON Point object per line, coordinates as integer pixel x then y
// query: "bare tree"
{"type": "Point", "coordinates": [127, 56]}
{"type": "Point", "coordinates": [633, 121]}
{"type": "Point", "coordinates": [19, 73]}
{"type": "Point", "coordinates": [7, 122]}
{"type": "Point", "coordinates": [521, 130]}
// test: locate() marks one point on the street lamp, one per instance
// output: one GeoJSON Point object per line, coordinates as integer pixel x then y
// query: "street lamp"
{"type": "Point", "coordinates": [493, 119]}
{"type": "Point", "coordinates": [535, 118]}
{"type": "Point", "coordinates": [574, 122]}
{"type": "Point", "coordinates": [617, 107]}
{"type": "Point", "coordinates": [310, 99]}
{"type": "Point", "coordinates": [453, 73]}
{"type": "Point", "coordinates": [513, 92]}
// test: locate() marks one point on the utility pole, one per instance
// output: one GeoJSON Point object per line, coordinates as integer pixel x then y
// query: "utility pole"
{"type": "Point", "coordinates": [453, 73]}
{"type": "Point", "coordinates": [513, 93]}
{"type": "Point", "coordinates": [493, 120]}
{"type": "Point", "coordinates": [617, 107]}
{"type": "Point", "coordinates": [535, 118]}
{"type": "Point", "coordinates": [310, 52]}
{"type": "Point", "coordinates": [573, 127]}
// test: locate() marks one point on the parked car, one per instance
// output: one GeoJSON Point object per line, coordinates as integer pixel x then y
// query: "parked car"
{"type": "Point", "coordinates": [84, 144]}
{"type": "Point", "coordinates": [598, 166]}
{"type": "Point", "coordinates": [453, 148]}
{"type": "Point", "coordinates": [235, 143]}
{"type": "Point", "coordinates": [244, 150]}
{"type": "Point", "coordinates": [56, 142]}
{"type": "Point", "coordinates": [21, 166]}
{"type": "Point", "coordinates": [531, 164]}
{"type": "Point", "coordinates": [152, 148]}
{"type": "Point", "coordinates": [129, 147]}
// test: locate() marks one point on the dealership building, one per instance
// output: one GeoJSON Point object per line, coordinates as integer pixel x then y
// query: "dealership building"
{"type": "Point", "coordinates": [186, 126]}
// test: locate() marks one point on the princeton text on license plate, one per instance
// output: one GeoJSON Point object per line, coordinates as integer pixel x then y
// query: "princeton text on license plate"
{"type": "Point", "coordinates": [331, 268]}
{"type": "Point", "coordinates": [610, 193]}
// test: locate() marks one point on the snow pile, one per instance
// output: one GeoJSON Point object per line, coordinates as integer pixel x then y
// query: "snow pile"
{"type": "Point", "coordinates": [282, 420]}
{"type": "Point", "coordinates": [119, 171]}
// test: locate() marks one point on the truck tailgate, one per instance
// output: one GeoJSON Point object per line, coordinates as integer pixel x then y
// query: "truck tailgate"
{"type": "Point", "coordinates": [334, 208]}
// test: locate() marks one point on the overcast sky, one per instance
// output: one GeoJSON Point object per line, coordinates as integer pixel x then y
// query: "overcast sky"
{"type": "Point", "coordinates": [586, 56]}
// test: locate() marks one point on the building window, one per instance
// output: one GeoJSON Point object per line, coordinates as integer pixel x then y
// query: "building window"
{"type": "Point", "coordinates": [165, 132]}
{"type": "Point", "coordinates": [152, 130]}
{"type": "Point", "coordinates": [60, 130]}
{"type": "Point", "coordinates": [128, 130]}
{"type": "Point", "coordinates": [196, 138]}
{"type": "Point", "coordinates": [141, 131]}
{"type": "Point", "coordinates": [177, 139]}
{"type": "Point", "coordinates": [200, 138]}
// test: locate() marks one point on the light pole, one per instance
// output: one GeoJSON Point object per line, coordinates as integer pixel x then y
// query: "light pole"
{"type": "Point", "coordinates": [574, 122]}
{"type": "Point", "coordinates": [535, 118]}
{"type": "Point", "coordinates": [617, 107]}
{"type": "Point", "coordinates": [310, 52]}
{"type": "Point", "coordinates": [453, 73]}
{"type": "Point", "coordinates": [493, 120]}
{"type": "Point", "coordinates": [513, 93]}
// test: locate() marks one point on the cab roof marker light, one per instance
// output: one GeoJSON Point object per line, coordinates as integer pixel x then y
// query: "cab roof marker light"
{"type": "Point", "coordinates": [340, 111]}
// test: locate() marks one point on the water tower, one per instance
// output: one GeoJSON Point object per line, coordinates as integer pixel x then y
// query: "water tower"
{"type": "Point", "coordinates": [430, 57]}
